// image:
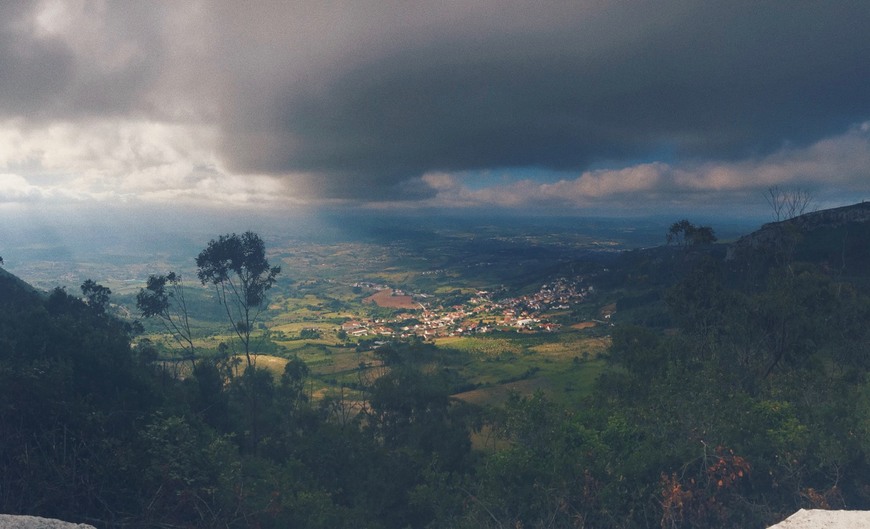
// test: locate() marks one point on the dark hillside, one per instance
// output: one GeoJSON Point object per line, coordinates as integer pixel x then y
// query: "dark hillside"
{"type": "Point", "coordinates": [739, 384]}
{"type": "Point", "coordinates": [14, 290]}
{"type": "Point", "coordinates": [638, 280]}
{"type": "Point", "coordinates": [72, 399]}
{"type": "Point", "coordinates": [837, 239]}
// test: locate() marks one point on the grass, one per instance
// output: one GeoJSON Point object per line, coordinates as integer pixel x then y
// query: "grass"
{"type": "Point", "coordinates": [563, 365]}
{"type": "Point", "coordinates": [484, 347]}
{"type": "Point", "coordinates": [567, 349]}
{"type": "Point", "coordinates": [275, 364]}
{"type": "Point", "coordinates": [565, 386]}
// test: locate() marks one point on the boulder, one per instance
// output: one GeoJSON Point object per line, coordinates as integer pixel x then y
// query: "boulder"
{"type": "Point", "coordinates": [9, 521]}
{"type": "Point", "coordinates": [821, 519]}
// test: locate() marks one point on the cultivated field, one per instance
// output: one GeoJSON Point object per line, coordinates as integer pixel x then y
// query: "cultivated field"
{"type": "Point", "coordinates": [389, 299]}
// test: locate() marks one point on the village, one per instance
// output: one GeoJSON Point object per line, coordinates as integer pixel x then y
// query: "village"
{"type": "Point", "coordinates": [480, 314]}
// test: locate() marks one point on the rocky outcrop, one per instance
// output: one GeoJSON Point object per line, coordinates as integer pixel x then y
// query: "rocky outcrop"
{"type": "Point", "coordinates": [9, 521]}
{"type": "Point", "coordinates": [819, 519]}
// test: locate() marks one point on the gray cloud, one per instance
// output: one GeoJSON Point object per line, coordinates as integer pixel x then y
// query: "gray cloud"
{"type": "Point", "coordinates": [33, 71]}
{"type": "Point", "coordinates": [360, 99]}
{"type": "Point", "coordinates": [80, 60]}
{"type": "Point", "coordinates": [560, 89]}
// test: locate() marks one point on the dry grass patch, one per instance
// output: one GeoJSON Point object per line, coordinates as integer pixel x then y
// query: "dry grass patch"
{"type": "Point", "coordinates": [351, 361]}
{"type": "Point", "coordinates": [485, 347]}
{"type": "Point", "coordinates": [275, 364]}
{"type": "Point", "coordinates": [498, 395]}
{"type": "Point", "coordinates": [297, 327]}
{"type": "Point", "coordinates": [568, 350]}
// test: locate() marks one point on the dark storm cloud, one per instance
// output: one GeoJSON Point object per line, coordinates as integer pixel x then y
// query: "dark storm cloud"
{"type": "Point", "coordinates": [32, 71]}
{"type": "Point", "coordinates": [362, 99]}
{"type": "Point", "coordinates": [77, 61]}
{"type": "Point", "coordinates": [560, 88]}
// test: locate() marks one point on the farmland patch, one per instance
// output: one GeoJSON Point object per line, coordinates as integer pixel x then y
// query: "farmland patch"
{"type": "Point", "coordinates": [387, 298]}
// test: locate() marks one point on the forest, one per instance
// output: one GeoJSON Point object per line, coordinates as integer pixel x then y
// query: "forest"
{"type": "Point", "coordinates": [735, 392]}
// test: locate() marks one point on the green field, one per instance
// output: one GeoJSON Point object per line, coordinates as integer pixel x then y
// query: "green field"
{"type": "Point", "coordinates": [563, 365]}
{"type": "Point", "coordinates": [323, 285]}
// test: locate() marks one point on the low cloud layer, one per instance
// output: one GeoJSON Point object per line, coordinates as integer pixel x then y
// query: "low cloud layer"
{"type": "Point", "coordinates": [832, 171]}
{"type": "Point", "coordinates": [391, 102]}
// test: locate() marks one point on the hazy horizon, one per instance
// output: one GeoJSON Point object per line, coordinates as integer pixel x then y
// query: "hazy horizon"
{"type": "Point", "coordinates": [49, 254]}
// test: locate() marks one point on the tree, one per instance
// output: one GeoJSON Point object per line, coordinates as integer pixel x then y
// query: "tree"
{"type": "Point", "coordinates": [96, 295]}
{"type": "Point", "coordinates": [547, 470]}
{"type": "Point", "coordinates": [238, 269]}
{"type": "Point", "coordinates": [73, 402]}
{"type": "Point", "coordinates": [702, 235]}
{"type": "Point", "coordinates": [169, 306]}
{"type": "Point", "coordinates": [683, 233]}
{"type": "Point", "coordinates": [787, 203]}
{"type": "Point", "coordinates": [309, 334]}
{"type": "Point", "coordinates": [424, 434]}
{"type": "Point", "coordinates": [677, 232]}
{"type": "Point", "coordinates": [293, 378]}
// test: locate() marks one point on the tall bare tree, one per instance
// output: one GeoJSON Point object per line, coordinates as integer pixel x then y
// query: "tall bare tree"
{"type": "Point", "coordinates": [788, 203]}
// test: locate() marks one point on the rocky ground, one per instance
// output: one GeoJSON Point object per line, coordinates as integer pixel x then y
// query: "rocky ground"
{"type": "Point", "coordinates": [8, 521]}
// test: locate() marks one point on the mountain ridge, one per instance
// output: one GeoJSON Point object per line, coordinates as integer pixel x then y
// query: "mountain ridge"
{"type": "Point", "coordinates": [774, 234]}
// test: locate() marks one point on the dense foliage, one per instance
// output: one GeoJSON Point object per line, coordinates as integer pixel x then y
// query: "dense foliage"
{"type": "Point", "coordinates": [745, 399]}
{"type": "Point", "coordinates": [92, 431]}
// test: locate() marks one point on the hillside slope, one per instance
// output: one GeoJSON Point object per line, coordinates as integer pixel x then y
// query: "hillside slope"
{"type": "Point", "coordinates": [838, 238]}
{"type": "Point", "coordinates": [14, 288]}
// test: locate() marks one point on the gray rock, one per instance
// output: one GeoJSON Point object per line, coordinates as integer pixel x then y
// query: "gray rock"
{"type": "Point", "coordinates": [9, 521]}
{"type": "Point", "coordinates": [821, 519]}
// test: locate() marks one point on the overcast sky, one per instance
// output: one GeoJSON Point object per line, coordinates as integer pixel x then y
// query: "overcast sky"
{"type": "Point", "coordinates": [583, 107]}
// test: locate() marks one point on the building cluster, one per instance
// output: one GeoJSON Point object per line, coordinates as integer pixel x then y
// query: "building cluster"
{"type": "Point", "coordinates": [480, 314]}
